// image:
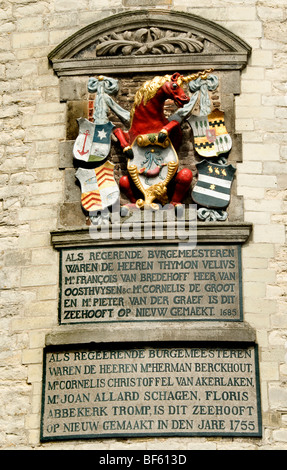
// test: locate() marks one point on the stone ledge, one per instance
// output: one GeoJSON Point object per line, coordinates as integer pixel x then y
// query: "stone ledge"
{"type": "Point", "coordinates": [108, 66]}
{"type": "Point", "coordinates": [154, 332]}
{"type": "Point", "coordinates": [215, 232]}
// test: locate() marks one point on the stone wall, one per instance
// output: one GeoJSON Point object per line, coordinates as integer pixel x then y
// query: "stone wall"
{"type": "Point", "coordinates": [32, 192]}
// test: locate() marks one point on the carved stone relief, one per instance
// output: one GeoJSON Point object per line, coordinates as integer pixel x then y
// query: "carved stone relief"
{"type": "Point", "coordinates": [155, 42]}
{"type": "Point", "coordinates": [149, 41]}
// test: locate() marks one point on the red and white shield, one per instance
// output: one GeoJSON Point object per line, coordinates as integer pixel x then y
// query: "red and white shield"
{"type": "Point", "coordinates": [99, 188]}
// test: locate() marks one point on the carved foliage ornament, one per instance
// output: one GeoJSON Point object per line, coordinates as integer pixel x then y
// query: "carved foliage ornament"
{"type": "Point", "coordinates": [149, 41]}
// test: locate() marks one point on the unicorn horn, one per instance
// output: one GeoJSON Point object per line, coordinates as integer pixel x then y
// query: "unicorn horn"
{"type": "Point", "coordinates": [202, 74]}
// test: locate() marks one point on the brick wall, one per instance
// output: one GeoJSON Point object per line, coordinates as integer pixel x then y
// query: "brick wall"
{"type": "Point", "coordinates": [32, 191]}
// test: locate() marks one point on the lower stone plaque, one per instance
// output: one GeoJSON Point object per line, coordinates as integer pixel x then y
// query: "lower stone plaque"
{"type": "Point", "coordinates": [188, 390]}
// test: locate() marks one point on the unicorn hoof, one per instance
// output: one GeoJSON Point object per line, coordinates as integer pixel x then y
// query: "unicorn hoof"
{"type": "Point", "coordinates": [127, 209]}
{"type": "Point", "coordinates": [162, 135]}
{"type": "Point", "coordinates": [179, 210]}
{"type": "Point", "coordinates": [178, 207]}
{"type": "Point", "coordinates": [129, 153]}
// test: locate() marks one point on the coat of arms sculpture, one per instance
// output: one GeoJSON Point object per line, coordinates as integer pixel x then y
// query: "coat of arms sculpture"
{"type": "Point", "coordinates": [150, 145]}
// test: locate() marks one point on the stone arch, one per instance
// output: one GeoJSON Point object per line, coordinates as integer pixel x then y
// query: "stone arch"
{"type": "Point", "coordinates": [134, 40]}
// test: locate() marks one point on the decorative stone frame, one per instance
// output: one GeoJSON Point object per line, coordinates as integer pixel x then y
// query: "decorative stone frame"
{"type": "Point", "coordinates": [194, 44]}
{"type": "Point", "coordinates": [171, 41]}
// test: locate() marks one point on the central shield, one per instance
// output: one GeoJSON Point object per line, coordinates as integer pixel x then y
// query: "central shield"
{"type": "Point", "coordinates": [152, 167]}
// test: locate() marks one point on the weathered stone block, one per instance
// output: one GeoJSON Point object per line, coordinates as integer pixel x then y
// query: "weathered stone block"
{"type": "Point", "coordinates": [72, 189]}
{"type": "Point", "coordinates": [146, 3]}
{"type": "Point", "coordinates": [73, 88]}
{"type": "Point", "coordinates": [71, 215]}
{"type": "Point", "coordinates": [75, 110]}
{"type": "Point", "coordinates": [66, 154]}
{"type": "Point", "coordinates": [37, 276]}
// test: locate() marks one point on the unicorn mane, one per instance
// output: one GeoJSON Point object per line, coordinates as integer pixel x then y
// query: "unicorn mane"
{"type": "Point", "coordinates": [147, 91]}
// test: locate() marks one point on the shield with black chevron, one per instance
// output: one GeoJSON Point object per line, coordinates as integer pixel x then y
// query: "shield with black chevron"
{"type": "Point", "coordinates": [213, 186]}
{"type": "Point", "coordinates": [210, 134]}
{"type": "Point", "coordinates": [99, 188]}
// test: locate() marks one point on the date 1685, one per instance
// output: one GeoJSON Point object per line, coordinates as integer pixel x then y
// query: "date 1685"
{"type": "Point", "coordinates": [228, 312]}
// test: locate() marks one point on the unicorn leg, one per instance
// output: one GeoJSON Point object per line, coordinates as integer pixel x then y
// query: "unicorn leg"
{"type": "Point", "coordinates": [125, 187]}
{"type": "Point", "coordinates": [173, 130]}
{"type": "Point", "coordinates": [120, 135]}
{"type": "Point", "coordinates": [182, 183]}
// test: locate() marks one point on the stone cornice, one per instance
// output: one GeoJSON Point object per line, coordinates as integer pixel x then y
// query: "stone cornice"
{"type": "Point", "coordinates": [169, 332]}
{"type": "Point", "coordinates": [215, 232]}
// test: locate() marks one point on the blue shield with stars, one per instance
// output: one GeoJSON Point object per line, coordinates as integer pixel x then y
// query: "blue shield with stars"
{"type": "Point", "coordinates": [93, 143]}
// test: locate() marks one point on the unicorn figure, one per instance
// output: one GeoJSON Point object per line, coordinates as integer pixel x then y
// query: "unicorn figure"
{"type": "Point", "coordinates": [151, 132]}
